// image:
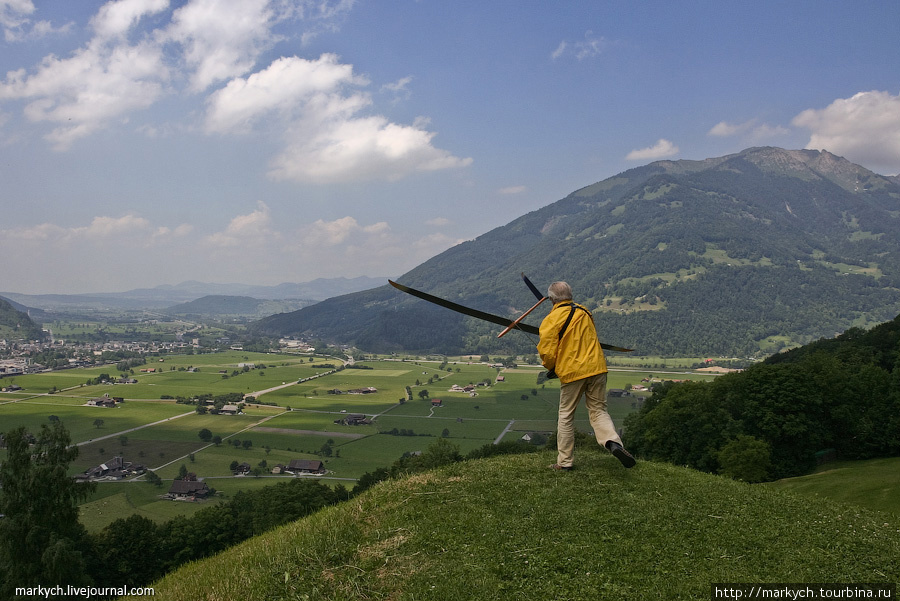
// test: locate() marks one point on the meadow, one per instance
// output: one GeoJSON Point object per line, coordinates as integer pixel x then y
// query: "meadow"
{"type": "Point", "coordinates": [294, 418]}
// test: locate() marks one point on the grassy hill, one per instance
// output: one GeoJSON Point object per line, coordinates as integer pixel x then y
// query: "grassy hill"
{"type": "Point", "coordinates": [874, 483]}
{"type": "Point", "coordinates": [509, 528]}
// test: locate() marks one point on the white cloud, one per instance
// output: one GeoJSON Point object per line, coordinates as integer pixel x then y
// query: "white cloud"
{"type": "Point", "coordinates": [285, 86]}
{"type": "Point", "coordinates": [663, 148]}
{"type": "Point", "coordinates": [751, 129]}
{"type": "Point", "coordinates": [252, 248]}
{"type": "Point", "coordinates": [512, 190]}
{"type": "Point", "coordinates": [318, 104]}
{"type": "Point", "coordinates": [342, 147]}
{"type": "Point", "coordinates": [115, 19]}
{"type": "Point", "coordinates": [724, 129]}
{"type": "Point", "coordinates": [251, 230]}
{"type": "Point", "coordinates": [864, 128]}
{"type": "Point", "coordinates": [222, 39]}
{"type": "Point", "coordinates": [438, 222]}
{"type": "Point", "coordinates": [14, 16]}
{"type": "Point", "coordinates": [588, 47]}
{"type": "Point", "coordinates": [105, 80]}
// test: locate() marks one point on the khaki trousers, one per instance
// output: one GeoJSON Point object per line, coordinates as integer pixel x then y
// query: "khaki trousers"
{"type": "Point", "coordinates": [594, 390]}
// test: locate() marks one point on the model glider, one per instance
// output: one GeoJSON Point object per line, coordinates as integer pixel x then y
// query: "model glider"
{"type": "Point", "coordinates": [489, 317]}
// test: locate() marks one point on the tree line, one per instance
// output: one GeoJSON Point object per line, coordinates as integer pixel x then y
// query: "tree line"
{"type": "Point", "coordinates": [837, 397]}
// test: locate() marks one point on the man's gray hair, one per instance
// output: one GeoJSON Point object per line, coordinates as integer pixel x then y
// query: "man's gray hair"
{"type": "Point", "coordinates": [559, 291]}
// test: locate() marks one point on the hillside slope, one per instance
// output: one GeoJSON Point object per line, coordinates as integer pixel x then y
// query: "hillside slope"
{"type": "Point", "coordinates": [16, 325]}
{"type": "Point", "coordinates": [509, 528]}
{"type": "Point", "coordinates": [738, 255]}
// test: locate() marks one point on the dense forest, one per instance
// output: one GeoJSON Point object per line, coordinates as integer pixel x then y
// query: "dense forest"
{"type": "Point", "coordinates": [832, 398]}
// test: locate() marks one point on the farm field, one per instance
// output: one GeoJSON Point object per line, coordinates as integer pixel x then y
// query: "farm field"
{"type": "Point", "coordinates": [299, 401]}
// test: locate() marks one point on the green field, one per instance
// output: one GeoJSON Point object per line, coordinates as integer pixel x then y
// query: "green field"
{"type": "Point", "coordinates": [295, 420]}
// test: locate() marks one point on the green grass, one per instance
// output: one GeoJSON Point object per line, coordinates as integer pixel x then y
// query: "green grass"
{"type": "Point", "coordinates": [509, 528]}
{"type": "Point", "coordinates": [874, 483]}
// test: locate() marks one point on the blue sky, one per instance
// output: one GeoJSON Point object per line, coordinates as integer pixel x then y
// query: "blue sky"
{"type": "Point", "coordinates": [147, 142]}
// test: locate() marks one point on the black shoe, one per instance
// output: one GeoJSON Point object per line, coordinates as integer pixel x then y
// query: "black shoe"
{"type": "Point", "coordinates": [561, 468]}
{"type": "Point", "coordinates": [620, 453]}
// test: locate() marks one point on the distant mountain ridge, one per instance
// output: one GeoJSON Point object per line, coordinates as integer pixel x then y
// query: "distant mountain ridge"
{"type": "Point", "coordinates": [734, 255]}
{"type": "Point", "coordinates": [164, 296]}
{"type": "Point", "coordinates": [220, 305]}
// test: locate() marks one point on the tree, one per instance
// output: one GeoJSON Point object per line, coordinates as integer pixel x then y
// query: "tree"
{"type": "Point", "coordinates": [205, 435]}
{"type": "Point", "coordinates": [746, 458]}
{"type": "Point", "coordinates": [41, 539]}
{"type": "Point", "coordinates": [98, 423]}
{"type": "Point", "coordinates": [423, 394]}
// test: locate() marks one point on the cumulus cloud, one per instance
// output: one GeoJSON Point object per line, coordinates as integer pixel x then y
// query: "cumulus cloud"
{"type": "Point", "coordinates": [287, 85]}
{"type": "Point", "coordinates": [864, 128]}
{"type": "Point", "coordinates": [222, 39]}
{"type": "Point", "coordinates": [662, 149]}
{"type": "Point", "coordinates": [253, 229]}
{"type": "Point", "coordinates": [438, 222]}
{"type": "Point", "coordinates": [105, 80]}
{"type": "Point", "coordinates": [337, 146]}
{"type": "Point", "coordinates": [327, 138]}
{"type": "Point", "coordinates": [14, 16]}
{"type": "Point", "coordinates": [320, 107]}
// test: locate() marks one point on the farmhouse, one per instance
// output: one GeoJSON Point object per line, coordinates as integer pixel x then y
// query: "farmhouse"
{"type": "Point", "coordinates": [188, 490]}
{"type": "Point", "coordinates": [305, 466]}
{"type": "Point", "coordinates": [366, 390]}
{"type": "Point", "coordinates": [437, 403]}
{"type": "Point", "coordinates": [114, 469]}
{"type": "Point", "coordinates": [104, 401]}
{"type": "Point", "coordinates": [229, 410]}
{"type": "Point", "coordinates": [353, 419]}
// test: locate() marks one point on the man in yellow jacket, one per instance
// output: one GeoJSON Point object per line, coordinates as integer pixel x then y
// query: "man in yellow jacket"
{"type": "Point", "coordinates": [569, 348]}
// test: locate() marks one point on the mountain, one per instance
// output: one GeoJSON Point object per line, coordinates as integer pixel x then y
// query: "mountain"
{"type": "Point", "coordinates": [165, 296]}
{"type": "Point", "coordinates": [15, 324]}
{"type": "Point", "coordinates": [508, 528]}
{"type": "Point", "coordinates": [236, 306]}
{"type": "Point", "coordinates": [738, 255]}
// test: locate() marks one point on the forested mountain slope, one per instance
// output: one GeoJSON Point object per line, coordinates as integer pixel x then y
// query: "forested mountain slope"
{"type": "Point", "coordinates": [734, 255]}
{"type": "Point", "coordinates": [16, 325]}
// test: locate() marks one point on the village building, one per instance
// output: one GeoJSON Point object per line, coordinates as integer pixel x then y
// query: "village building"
{"type": "Point", "coordinates": [114, 469]}
{"type": "Point", "coordinates": [353, 419]}
{"type": "Point", "coordinates": [305, 466]}
{"type": "Point", "coordinates": [104, 401]}
{"type": "Point", "coordinates": [188, 490]}
{"type": "Point", "coordinates": [229, 410]}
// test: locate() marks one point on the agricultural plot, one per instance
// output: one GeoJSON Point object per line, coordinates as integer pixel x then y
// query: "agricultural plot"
{"type": "Point", "coordinates": [300, 403]}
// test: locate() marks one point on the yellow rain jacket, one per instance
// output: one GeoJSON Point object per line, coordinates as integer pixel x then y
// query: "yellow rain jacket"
{"type": "Point", "coordinates": [577, 354]}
